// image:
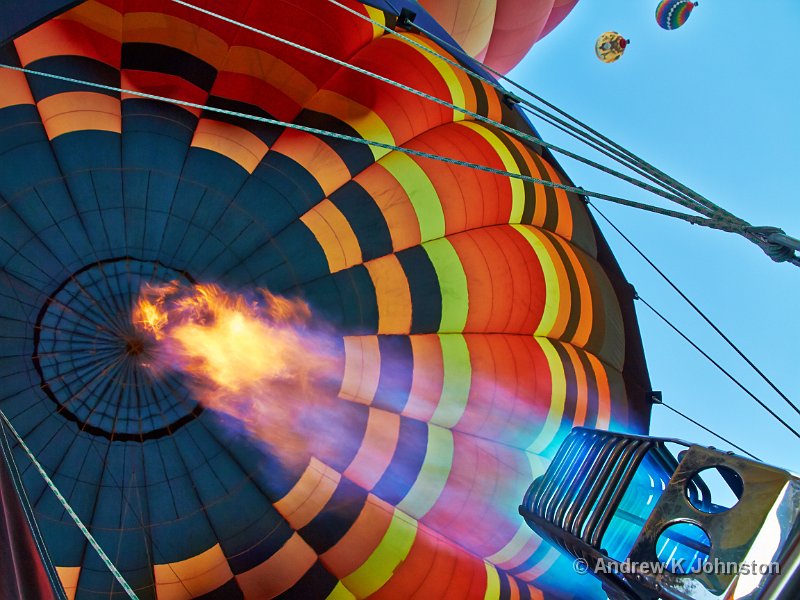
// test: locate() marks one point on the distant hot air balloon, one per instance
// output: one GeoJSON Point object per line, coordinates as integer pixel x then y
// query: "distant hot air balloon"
{"type": "Point", "coordinates": [475, 318]}
{"type": "Point", "coordinates": [498, 32]}
{"type": "Point", "coordinates": [671, 14]}
{"type": "Point", "coordinates": [610, 46]}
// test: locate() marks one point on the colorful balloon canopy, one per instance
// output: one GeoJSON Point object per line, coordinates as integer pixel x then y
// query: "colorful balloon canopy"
{"type": "Point", "coordinates": [477, 317]}
{"type": "Point", "coordinates": [499, 33]}
{"type": "Point", "coordinates": [671, 14]}
{"type": "Point", "coordinates": [610, 46]}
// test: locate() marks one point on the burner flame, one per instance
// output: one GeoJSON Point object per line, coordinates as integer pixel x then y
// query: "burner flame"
{"type": "Point", "coordinates": [229, 340]}
{"type": "Point", "coordinates": [253, 357]}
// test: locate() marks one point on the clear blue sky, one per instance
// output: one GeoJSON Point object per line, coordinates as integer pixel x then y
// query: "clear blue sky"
{"type": "Point", "coordinates": [716, 104]}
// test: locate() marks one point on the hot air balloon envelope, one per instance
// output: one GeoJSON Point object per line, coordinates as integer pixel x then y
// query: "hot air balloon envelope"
{"type": "Point", "coordinates": [499, 33]}
{"type": "Point", "coordinates": [671, 14]}
{"type": "Point", "coordinates": [610, 46]}
{"type": "Point", "coordinates": [470, 319]}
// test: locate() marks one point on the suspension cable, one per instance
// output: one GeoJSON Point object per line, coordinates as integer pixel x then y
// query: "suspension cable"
{"type": "Point", "coordinates": [720, 367]}
{"type": "Point", "coordinates": [773, 241]}
{"type": "Point", "coordinates": [672, 194]}
{"type": "Point", "coordinates": [696, 220]}
{"type": "Point", "coordinates": [473, 115]}
{"type": "Point", "coordinates": [640, 167]}
{"type": "Point", "coordinates": [619, 153]}
{"type": "Point", "coordinates": [629, 156]}
{"type": "Point", "coordinates": [707, 430]}
{"type": "Point", "coordinates": [87, 534]}
{"type": "Point", "coordinates": [473, 73]}
{"type": "Point", "coordinates": [603, 149]}
{"type": "Point", "coordinates": [697, 309]}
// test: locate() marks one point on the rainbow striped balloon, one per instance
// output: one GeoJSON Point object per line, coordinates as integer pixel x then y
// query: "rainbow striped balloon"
{"type": "Point", "coordinates": [672, 14]}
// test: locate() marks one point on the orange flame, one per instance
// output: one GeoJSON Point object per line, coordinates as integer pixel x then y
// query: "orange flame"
{"type": "Point", "coordinates": [227, 339]}
{"type": "Point", "coordinates": [255, 359]}
{"type": "Point", "coordinates": [149, 313]}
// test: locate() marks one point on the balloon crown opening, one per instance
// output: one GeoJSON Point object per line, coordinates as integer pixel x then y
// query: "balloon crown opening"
{"type": "Point", "coordinates": [135, 346]}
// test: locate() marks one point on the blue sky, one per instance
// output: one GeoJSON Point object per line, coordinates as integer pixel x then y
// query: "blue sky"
{"type": "Point", "coordinates": [715, 105]}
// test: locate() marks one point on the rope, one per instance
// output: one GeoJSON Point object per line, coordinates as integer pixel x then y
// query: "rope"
{"type": "Point", "coordinates": [618, 154]}
{"type": "Point", "coordinates": [706, 429]}
{"type": "Point", "coordinates": [409, 151]}
{"type": "Point", "coordinates": [625, 155]}
{"type": "Point", "coordinates": [702, 202]}
{"type": "Point", "coordinates": [89, 537]}
{"type": "Point", "coordinates": [719, 218]}
{"type": "Point", "coordinates": [699, 312]}
{"type": "Point", "coordinates": [471, 72]}
{"type": "Point", "coordinates": [780, 249]}
{"type": "Point", "coordinates": [601, 148]}
{"type": "Point", "coordinates": [721, 368]}
{"type": "Point", "coordinates": [476, 116]}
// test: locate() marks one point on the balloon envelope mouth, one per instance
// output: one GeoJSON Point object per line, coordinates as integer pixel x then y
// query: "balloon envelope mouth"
{"type": "Point", "coordinates": [94, 363]}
